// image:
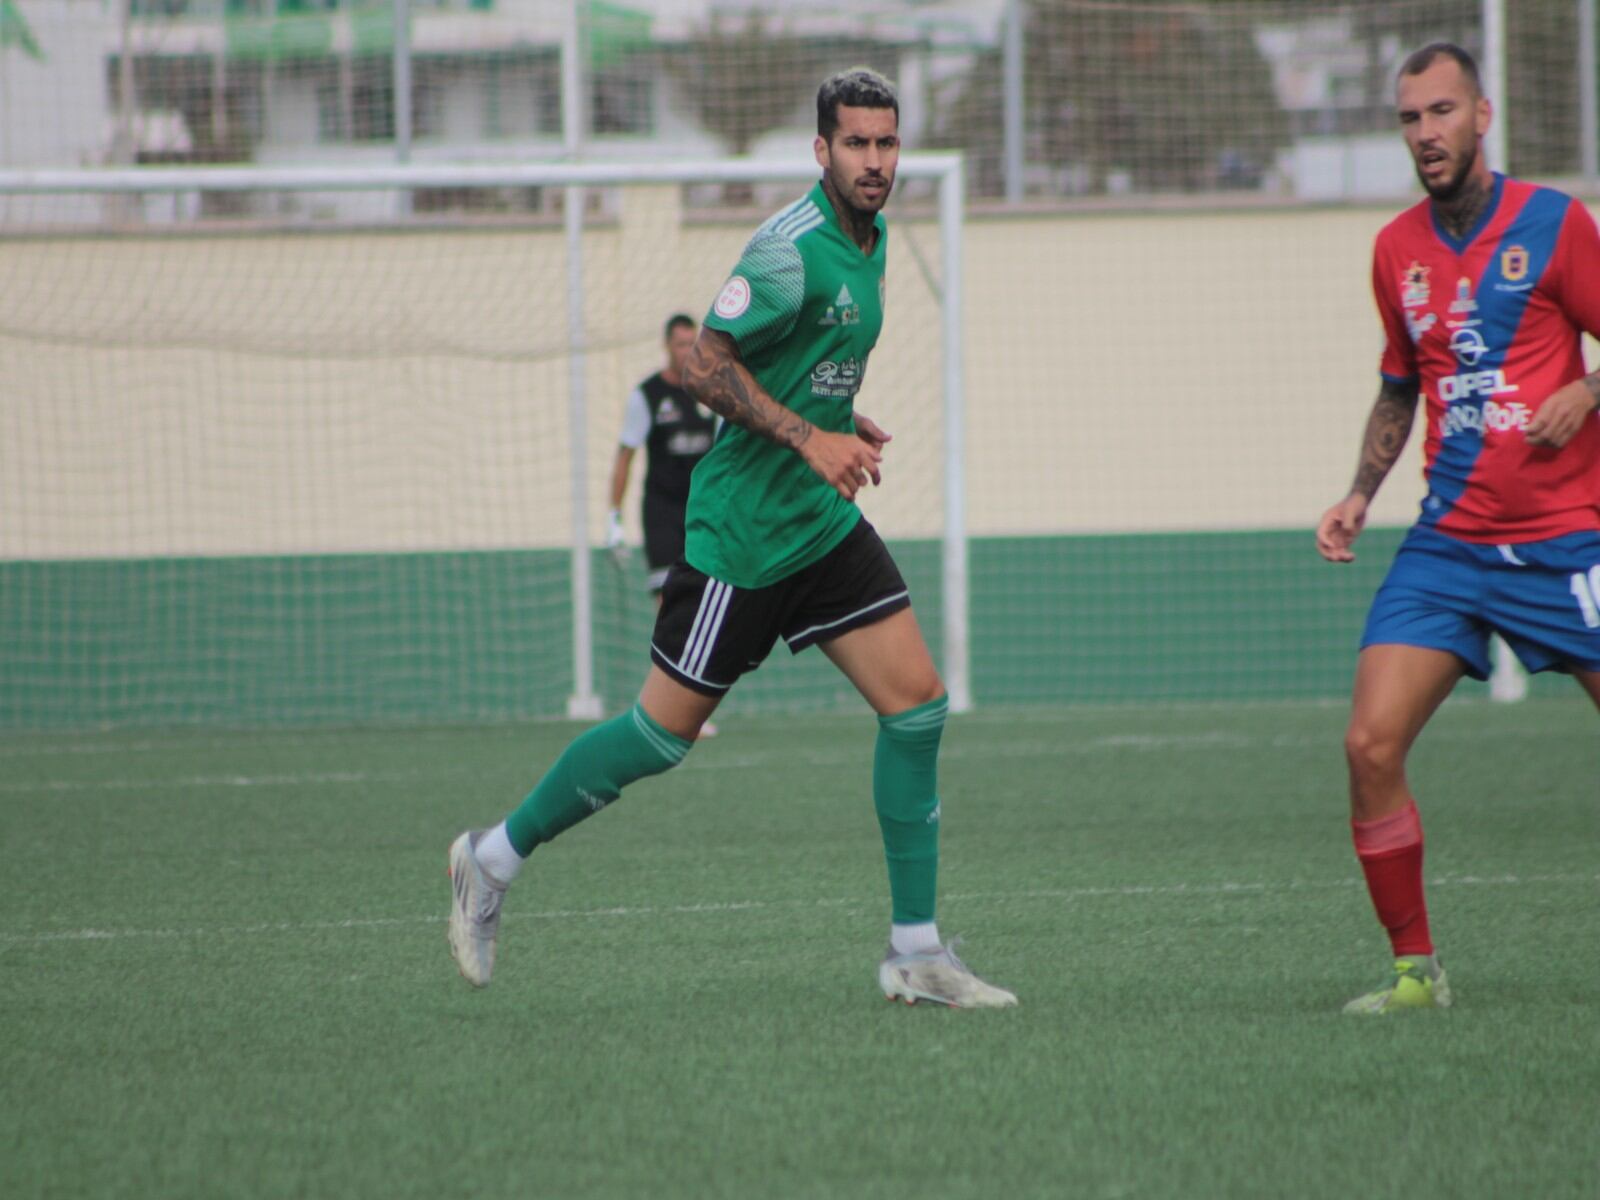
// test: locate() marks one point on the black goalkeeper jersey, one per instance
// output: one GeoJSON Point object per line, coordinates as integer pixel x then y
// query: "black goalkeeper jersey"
{"type": "Point", "coordinates": [680, 435]}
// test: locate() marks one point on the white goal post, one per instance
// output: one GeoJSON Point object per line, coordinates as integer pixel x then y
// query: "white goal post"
{"type": "Point", "coordinates": [944, 171]}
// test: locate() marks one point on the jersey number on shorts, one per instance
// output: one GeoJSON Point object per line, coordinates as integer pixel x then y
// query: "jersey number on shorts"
{"type": "Point", "coordinates": [1587, 590]}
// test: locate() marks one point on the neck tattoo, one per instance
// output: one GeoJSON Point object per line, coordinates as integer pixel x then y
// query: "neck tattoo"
{"type": "Point", "coordinates": [1459, 213]}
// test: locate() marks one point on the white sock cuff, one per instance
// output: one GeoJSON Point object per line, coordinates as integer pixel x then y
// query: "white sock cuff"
{"type": "Point", "coordinates": [914, 939]}
{"type": "Point", "coordinates": [496, 854]}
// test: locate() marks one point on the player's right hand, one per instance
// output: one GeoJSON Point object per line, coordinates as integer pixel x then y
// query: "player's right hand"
{"type": "Point", "coordinates": [1340, 526]}
{"type": "Point", "coordinates": [843, 460]}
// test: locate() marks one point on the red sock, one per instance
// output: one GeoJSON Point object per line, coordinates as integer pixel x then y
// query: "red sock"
{"type": "Point", "coordinates": [1390, 850]}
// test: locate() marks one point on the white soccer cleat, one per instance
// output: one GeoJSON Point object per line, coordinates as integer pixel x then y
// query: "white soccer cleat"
{"type": "Point", "coordinates": [474, 911]}
{"type": "Point", "coordinates": [938, 977]}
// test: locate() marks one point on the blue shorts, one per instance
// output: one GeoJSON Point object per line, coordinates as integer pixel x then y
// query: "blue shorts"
{"type": "Point", "coordinates": [1445, 594]}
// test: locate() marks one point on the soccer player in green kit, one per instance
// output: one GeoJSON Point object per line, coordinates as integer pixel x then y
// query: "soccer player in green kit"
{"type": "Point", "coordinates": [775, 546]}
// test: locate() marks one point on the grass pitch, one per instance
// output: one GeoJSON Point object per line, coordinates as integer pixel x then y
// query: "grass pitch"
{"type": "Point", "coordinates": [223, 968]}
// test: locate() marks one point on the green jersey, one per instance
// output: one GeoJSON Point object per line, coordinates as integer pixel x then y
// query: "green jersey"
{"type": "Point", "coordinates": [805, 305]}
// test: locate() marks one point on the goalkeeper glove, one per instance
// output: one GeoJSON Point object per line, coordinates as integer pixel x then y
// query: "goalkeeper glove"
{"type": "Point", "coordinates": [615, 541]}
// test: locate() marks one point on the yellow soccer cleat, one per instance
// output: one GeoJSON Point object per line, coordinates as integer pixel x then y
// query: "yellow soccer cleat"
{"type": "Point", "coordinates": [1417, 983]}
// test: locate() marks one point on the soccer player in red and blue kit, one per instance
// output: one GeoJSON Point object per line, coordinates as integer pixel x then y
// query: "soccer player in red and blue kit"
{"type": "Point", "coordinates": [1485, 289]}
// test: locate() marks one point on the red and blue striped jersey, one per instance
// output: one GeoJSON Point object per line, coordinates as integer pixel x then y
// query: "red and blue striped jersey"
{"type": "Point", "coordinates": [1489, 325]}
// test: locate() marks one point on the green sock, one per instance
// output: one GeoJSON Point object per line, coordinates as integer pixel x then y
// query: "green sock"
{"type": "Point", "coordinates": [591, 773]}
{"type": "Point", "coordinates": [905, 790]}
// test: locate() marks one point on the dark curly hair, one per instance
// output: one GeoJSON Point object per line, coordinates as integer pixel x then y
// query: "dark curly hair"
{"type": "Point", "coordinates": [859, 87]}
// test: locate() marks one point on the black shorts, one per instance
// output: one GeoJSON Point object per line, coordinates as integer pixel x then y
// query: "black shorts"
{"type": "Point", "coordinates": [709, 633]}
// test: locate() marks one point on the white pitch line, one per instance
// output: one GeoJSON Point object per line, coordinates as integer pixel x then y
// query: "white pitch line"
{"type": "Point", "coordinates": [719, 760]}
{"type": "Point", "coordinates": [94, 744]}
{"type": "Point", "coordinates": [101, 742]}
{"type": "Point", "coordinates": [739, 906]}
{"type": "Point", "coordinates": [209, 781]}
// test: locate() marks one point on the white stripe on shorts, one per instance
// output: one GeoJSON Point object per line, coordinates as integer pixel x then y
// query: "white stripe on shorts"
{"type": "Point", "coordinates": [1510, 555]}
{"type": "Point", "coordinates": [707, 599]}
{"type": "Point", "coordinates": [860, 612]}
{"type": "Point", "coordinates": [707, 619]}
{"type": "Point", "coordinates": [713, 627]}
{"type": "Point", "coordinates": [721, 687]}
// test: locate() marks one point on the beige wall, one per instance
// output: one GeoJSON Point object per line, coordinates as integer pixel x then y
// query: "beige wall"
{"type": "Point", "coordinates": [335, 392]}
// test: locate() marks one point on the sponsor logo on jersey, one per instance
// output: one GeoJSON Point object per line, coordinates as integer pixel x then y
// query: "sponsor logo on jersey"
{"type": "Point", "coordinates": [836, 379]}
{"type": "Point", "coordinates": [733, 300]}
{"type": "Point", "coordinates": [1468, 346]}
{"type": "Point", "coordinates": [1463, 303]}
{"type": "Point", "coordinates": [1514, 263]}
{"type": "Point", "coordinates": [1414, 290]}
{"type": "Point", "coordinates": [1475, 383]}
{"type": "Point", "coordinates": [668, 411]}
{"type": "Point", "coordinates": [1492, 417]}
{"type": "Point", "coordinates": [689, 442]}
{"type": "Point", "coordinates": [1417, 326]}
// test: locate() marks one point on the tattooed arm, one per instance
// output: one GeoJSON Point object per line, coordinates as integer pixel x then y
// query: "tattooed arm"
{"type": "Point", "coordinates": [716, 376]}
{"type": "Point", "coordinates": [1387, 430]}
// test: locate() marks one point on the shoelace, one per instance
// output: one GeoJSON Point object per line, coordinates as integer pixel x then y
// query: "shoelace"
{"type": "Point", "coordinates": [488, 913]}
{"type": "Point", "coordinates": [949, 949]}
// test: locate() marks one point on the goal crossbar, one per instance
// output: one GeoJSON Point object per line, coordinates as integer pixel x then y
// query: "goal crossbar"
{"type": "Point", "coordinates": [422, 175]}
{"type": "Point", "coordinates": [946, 170]}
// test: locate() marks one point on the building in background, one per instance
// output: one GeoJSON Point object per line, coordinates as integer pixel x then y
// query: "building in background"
{"type": "Point", "coordinates": [1117, 99]}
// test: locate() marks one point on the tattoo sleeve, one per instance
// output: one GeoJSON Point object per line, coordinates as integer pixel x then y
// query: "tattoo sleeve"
{"type": "Point", "coordinates": [1387, 430]}
{"type": "Point", "coordinates": [717, 377]}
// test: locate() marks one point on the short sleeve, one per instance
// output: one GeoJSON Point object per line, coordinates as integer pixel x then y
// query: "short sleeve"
{"type": "Point", "coordinates": [761, 301]}
{"type": "Point", "coordinates": [635, 421]}
{"type": "Point", "coordinates": [1576, 283]}
{"type": "Point", "coordinates": [1398, 363]}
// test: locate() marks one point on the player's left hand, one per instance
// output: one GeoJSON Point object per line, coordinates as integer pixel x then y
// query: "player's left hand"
{"type": "Point", "coordinates": [867, 430]}
{"type": "Point", "coordinates": [1561, 416]}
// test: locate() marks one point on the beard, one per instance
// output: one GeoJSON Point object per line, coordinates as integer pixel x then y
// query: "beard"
{"type": "Point", "coordinates": [1451, 187]}
{"type": "Point", "coordinates": [851, 194]}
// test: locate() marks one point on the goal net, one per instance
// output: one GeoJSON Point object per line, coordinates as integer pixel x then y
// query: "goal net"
{"type": "Point", "coordinates": [327, 443]}
{"type": "Point", "coordinates": [316, 461]}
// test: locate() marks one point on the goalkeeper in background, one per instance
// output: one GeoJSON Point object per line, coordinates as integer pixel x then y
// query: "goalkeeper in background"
{"type": "Point", "coordinates": [775, 546]}
{"type": "Point", "coordinates": [675, 433]}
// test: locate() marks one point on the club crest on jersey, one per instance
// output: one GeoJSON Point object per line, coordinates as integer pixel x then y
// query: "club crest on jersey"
{"type": "Point", "coordinates": [734, 299]}
{"type": "Point", "coordinates": [843, 311]}
{"type": "Point", "coordinates": [1514, 263]}
{"type": "Point", "coordinates": [1463, 303]}
{"type": "Point", "coordinates": [1414, 290]}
